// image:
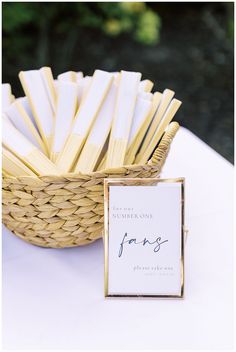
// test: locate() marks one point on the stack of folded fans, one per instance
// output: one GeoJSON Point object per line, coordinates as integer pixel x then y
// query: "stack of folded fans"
{"type": "Point", "coordinates": [82, 124]}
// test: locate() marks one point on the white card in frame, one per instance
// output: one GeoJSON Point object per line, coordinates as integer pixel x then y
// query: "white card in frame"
{"type": "Point", "coordinates": [144, 237]}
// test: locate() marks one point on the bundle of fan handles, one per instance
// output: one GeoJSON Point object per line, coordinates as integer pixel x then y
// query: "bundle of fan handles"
{"type": "Point", "coordinates": [82, 124]}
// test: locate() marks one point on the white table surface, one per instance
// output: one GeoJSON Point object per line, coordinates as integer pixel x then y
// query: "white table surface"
{"type": "Point", "coordinates": [54, 298]}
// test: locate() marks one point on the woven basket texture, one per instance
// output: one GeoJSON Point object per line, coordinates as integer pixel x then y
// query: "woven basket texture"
{"type": "Point", "coordinates": [67, 211]}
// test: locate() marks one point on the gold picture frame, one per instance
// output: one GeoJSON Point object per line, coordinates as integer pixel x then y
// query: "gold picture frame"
{"type": "Point", "coordinates": [136, 182]}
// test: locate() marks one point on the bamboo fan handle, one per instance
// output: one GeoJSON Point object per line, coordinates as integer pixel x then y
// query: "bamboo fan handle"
{"type": "Point", "coordinates": [160, 153]}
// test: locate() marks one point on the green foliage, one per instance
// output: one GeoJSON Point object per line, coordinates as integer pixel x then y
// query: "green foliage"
{"type": "Point", "coordinates": [148, 28]}
{"type": "Point", "coordinates": [37, 34]}
{"type": "Point", "coordinates": [229, 7]}
{"type": "Point", "coordinates": [111, 18]}
{"type": "Point", "coordinates": [16, 15]}
{"type": "Point", "coordinates": [231, 28]}
{"type": "Point", "coordinates": [230, 23]}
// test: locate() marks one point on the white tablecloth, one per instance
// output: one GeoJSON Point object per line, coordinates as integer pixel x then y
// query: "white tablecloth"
{"type": "Point", "coordinates": [54, 298]}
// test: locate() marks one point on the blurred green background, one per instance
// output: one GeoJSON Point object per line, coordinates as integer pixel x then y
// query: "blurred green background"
{"type": "Point", "coordinates": [187, 47]}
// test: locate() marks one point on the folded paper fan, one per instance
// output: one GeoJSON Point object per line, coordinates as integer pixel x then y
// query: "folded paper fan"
{"type": "Point", "coordinates": [20, 146]}
{"type": "Point", "coordinates": [65, 112]}
{"type": "Point", "coordinates": [84, 119]}
{"type": "Point", "coordinates": [123, 115]}
{"type": "Point", "coordinates": [6, 96]}
{"type": "Point", "coordinates": [40, 91]}
{"type": "Point", "coordinates": [22, 121]}
{"type": "Point", "coordinates": [69, 76]}
{"type": "Point", "coordinates": [142, 158]}
{"type": "Point", "coordinates": [98, 135]}
{"type": "Point", "coordinates": [12, 166]}
{"type": "Point", "coordinates": [167, 95]}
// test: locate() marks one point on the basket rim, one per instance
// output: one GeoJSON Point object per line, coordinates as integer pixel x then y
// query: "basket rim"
{"type": "Point", "coordinates": [73, 174]}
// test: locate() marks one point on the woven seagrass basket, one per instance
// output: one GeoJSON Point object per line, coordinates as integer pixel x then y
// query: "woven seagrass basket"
{"type": "Point", "coordinates": [67, 211]}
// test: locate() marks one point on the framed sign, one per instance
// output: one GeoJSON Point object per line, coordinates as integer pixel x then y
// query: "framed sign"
{"type": "Point", "coordinates": [144, 237]}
